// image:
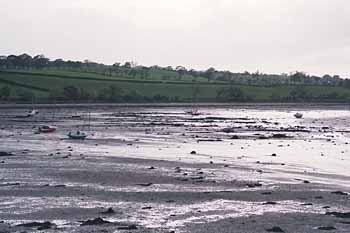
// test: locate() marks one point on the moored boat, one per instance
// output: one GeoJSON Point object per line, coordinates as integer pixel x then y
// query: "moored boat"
{"type": "Point", "coordinates": [298, 115]}
{"type": "Point", "coordinates": [47, 129]}
{"type": "Point", "coordinates": [78, 135]}
{"type": "Point", "coordinates": [193, 112]}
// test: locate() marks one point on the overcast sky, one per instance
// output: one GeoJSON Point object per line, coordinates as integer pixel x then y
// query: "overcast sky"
{"type": "Point", "coordinates": [272, 36]}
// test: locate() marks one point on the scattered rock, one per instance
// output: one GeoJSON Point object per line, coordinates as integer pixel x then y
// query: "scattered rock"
{"type": "Point", "coordinates": [253, 185]}
{"type": "Point", "coordinates": [38, 225]}
{"type": "Point", "coordinates": [145, 185]}
{"type": "Point", "coordinates": [108, 211]}
{"type": "Point", "coordinates": [5, 154]}
{"type": "Point", "coordinates": [197, 178]}
{"type": "Point", "coordinates": [228, 130]}
{"type": "Point", "coordinates": [340, 193]}
{"type": "Point", "coordinates": [279, 135]}
{"type": "Point", "coordinates": [270, 203]}
{"type": "Point", "coordinates": [130, 227]}
{"type": "Point", "coordinates": [329, 228]}
{"type": "Point", "coordinates": [95, 222]}
{"type": "Point", "coordinates": [339, 214]}
{"type": "Point", "coordinates": [275, 229]}
{"type": "Point", "coordinates": [307, 204]}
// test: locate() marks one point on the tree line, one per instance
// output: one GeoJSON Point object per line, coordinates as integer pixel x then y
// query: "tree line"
{"type": "Point", "coordinates": [133, 70]}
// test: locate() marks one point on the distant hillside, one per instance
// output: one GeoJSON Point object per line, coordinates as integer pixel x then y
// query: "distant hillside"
{"type": "Point", "coordinates": [23, 78]}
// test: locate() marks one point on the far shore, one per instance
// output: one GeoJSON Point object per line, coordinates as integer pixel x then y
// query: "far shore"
{"type": "Point", "coordinates": [187, 104]}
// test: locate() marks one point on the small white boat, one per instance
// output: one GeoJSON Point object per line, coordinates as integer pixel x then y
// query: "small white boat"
{"type": "Point", "coordinates": [32, 112]}
{"type": "Point", "coordinates": [78, 135]}
{"type": "Point", "coordinates": [28, 114]}
{"type": "Point", "coordinates": [298, 115]}
{"type": "Point", "coordinates": [193, 112]}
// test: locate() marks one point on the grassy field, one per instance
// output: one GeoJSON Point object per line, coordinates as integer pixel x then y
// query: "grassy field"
{"type": "Point", "coordinates": [46, 84]}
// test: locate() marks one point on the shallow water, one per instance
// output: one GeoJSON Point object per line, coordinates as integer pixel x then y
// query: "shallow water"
{"type": "Point", "coordinates": [170, 134]}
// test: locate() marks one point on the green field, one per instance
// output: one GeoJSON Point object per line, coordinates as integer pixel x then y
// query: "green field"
{"type": "Point", "coordinates": [47, 85]}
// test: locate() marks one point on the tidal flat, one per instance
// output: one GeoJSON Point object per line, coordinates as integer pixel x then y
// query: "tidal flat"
{"type": "Point", "coordinates": [243, 168]}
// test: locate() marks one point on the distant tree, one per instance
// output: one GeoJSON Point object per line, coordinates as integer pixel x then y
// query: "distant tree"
{"type": "Point", "coordinates": [181, 71]}
{"type": "Point", "coordinates": [127, 65]}
{"type": "Point", "coordinates": [40, 61]}
{"type": "Point", "coordinates": [58, 63]}
{"type": "Point", "coordinates": [210, 73]}
{"type": "Point", "coordinates": [298, 77]}
{"type": "Point", "coordinates": [24, 60]}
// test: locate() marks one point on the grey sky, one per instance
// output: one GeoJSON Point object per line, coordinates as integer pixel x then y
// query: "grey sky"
{"type": "Point", "coordinates": [272, 36]}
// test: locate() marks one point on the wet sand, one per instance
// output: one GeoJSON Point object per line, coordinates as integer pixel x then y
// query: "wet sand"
{"type": "Point", "coordinates": [243, 175]}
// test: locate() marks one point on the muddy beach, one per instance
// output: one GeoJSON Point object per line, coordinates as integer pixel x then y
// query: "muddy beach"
{"type": "Point", "coordinates": [158, 169]}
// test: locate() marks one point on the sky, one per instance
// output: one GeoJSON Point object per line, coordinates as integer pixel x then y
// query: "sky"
{"type": "Point", "coordinates": [272, 36]}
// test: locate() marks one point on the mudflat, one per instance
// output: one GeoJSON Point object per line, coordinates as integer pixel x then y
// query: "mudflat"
{"type": "Point", "coordinates": [160, 169]}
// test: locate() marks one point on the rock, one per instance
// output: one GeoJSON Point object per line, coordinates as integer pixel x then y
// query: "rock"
{"type": "Point", "coordinates": [275, 229]}
{"type": "Point", "coordinates": [340, 193]}
{"type": "Point", "coordinates": [95, 222]}
{"type": "Point", "coordinates": [39, 225]}
{"type": "Point", "coordinates": [329, 228]}
{"type": "Point", "coordinates": [197, 178]}
{"type": "Point", "coordinates": [307, 204]}
{"type": "Point", "coordinates": [266, 193]}
{"type": "Point", "coordinates": [274, 155]}
{"type": "Point", "coordinates": [145, 185]}
{"type": "Point", "coordinates": [130, 227]}
{"type": "Point", "coordinates": [5, 154]}
{"type": "Point", "coordinates": [228, 130]}
{"type": "Point", "coordinates": [339, 214]}
{"type": "Point", "coordinates": [108, 211]}
{"type": "Point", "coordinates": [146, 208]}
{"type": "Point", "coordinates": [151, 168]}
{"type": "Point", "coordinates": [235, 137]}
{"type": "Point", "coordinates": [270, 203]}
{"type": "Point", "coordinates": [279, 135]}
{"type": "Point", "coordinates": [253, 185]}
{"type": "Point", "coordinates": [193, 152]}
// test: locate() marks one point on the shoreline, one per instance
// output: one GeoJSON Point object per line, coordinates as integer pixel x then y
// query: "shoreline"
{"type": "Point", "coordinates": [187, 105]}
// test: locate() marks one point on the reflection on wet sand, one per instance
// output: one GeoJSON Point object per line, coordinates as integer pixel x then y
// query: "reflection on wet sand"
{"type": "Point", "coordinates": [163, 169]}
